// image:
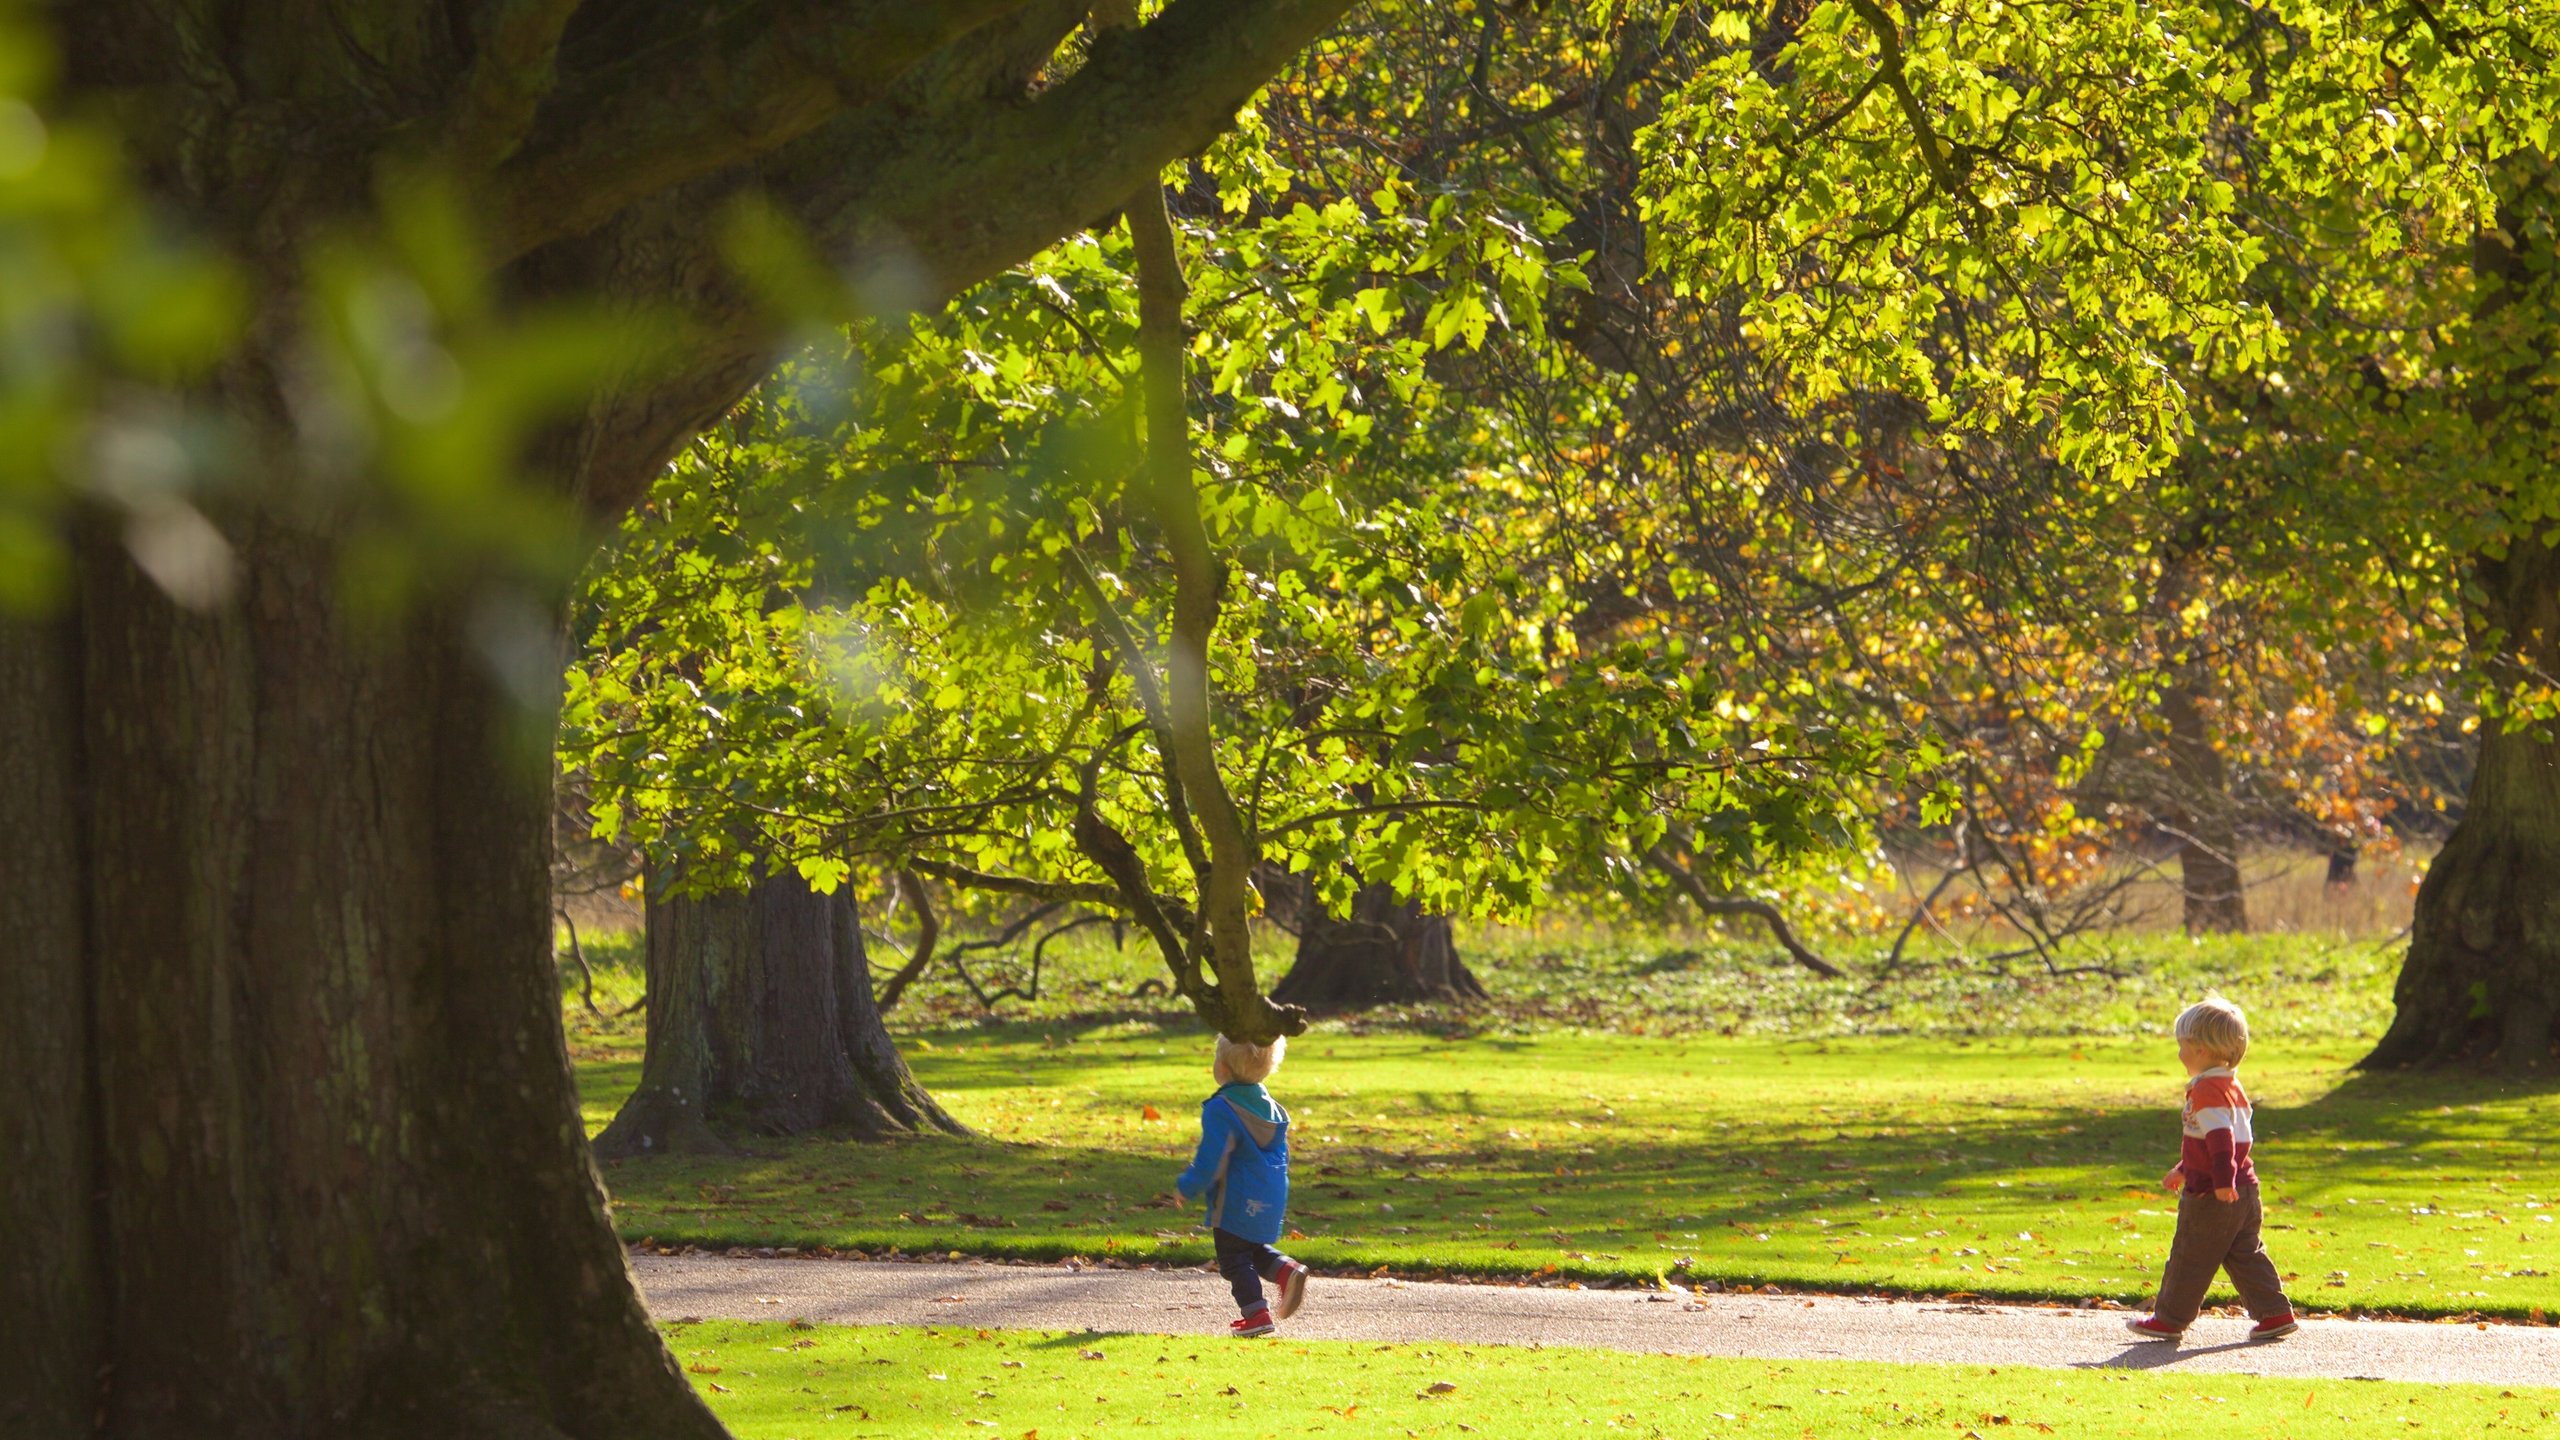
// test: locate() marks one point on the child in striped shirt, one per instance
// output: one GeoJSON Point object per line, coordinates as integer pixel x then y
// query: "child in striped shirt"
{"type": "Point", "coordinates": [2217, 1187]}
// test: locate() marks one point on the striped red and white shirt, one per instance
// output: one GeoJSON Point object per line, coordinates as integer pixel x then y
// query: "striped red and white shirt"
{"type": "Point", "coordinates": [2215, 1152]}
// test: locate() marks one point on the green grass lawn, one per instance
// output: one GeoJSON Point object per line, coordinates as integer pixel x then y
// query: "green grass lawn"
{"type": "Point", "coordinates": [1931, 1158]}
{"type": "Point", "coordinates": [773, 1382]}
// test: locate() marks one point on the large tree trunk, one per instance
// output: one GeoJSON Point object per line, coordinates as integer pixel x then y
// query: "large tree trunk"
{"type": "Point", "coordinates": [1387, 951]}
{"type": "Point", "coordinates": [288, 1140]}
{"type": "Point", "coordinates": [2201, 815]}
{"type": "Point", "coordinates": [762, 1022]}
{"type": "Point", "coordinates": [2482, 980]}
{"type": "Point", "coordinates": [290, 1145]}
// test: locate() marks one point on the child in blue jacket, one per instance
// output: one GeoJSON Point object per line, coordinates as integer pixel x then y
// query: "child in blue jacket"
{"type": "Point", "coordinates": [1243, 1168]}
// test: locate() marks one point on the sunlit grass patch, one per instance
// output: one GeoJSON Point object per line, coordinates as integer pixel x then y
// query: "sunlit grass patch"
{"type": "Point", "coordinates": [2014, 1168]}
{"type": "Point", "coordinates": [771, 1381]}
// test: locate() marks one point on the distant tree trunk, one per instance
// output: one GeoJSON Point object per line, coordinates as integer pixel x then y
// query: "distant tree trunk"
{"type": "Point", "coordinates": [762, 1022]}
{"type": "Point", "coordinates": [2482, 980]}
{"type": "Point", "coordinates": [288, 1143]}
{"type": "Point", "coordinates": [2342, 864]}
{"type": "Point", "coordinates": [2201, 813]}
{"type": "Point", "coordinates": [1387, 951]}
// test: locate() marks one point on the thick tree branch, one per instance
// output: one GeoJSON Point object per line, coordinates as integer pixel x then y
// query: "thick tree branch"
{"type": "Point", "coordinates": [511, 71]}
{"type": "Point", "coordinates": [964, 192]}
{"type": "Point", "coordinates": [754, 84]}
{"type": "Point", "coordinates": [940, 196]}
{"type": "Point", "coordinates": [1710, 903]}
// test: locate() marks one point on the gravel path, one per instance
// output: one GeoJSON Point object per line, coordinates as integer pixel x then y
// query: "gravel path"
{"type": "Point", "coordinates": [1775, 1327]}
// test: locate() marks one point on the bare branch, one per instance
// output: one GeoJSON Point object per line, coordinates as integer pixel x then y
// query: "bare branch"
{"type": "Point", "coordinates": [928, 933]}
{"type": "Point", "coordinates": [1710, 903]}
{"type": "Point", "coordinates": [1075, 892]}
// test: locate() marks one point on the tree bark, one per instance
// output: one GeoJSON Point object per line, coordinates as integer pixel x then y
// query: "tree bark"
{"type": "Point", "coordinates": [52, 1323]}
{"type": "Point", "coordinates": [2482, 978]}
{"type": "Point", "coordinates": [291, 1146]}
{"type": "Point", "coordinates": [762, 1022]}
{"type": "Point", "coordinates": [1387, 951]}
{"type": "Point", "coordinates": [2215, 899]}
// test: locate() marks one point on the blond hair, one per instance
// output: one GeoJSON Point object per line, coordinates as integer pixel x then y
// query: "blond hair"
{"type": "Point", "coordinates": [2218, 1026]}
{"type": "Point", "coordinates": [1252, 1064]}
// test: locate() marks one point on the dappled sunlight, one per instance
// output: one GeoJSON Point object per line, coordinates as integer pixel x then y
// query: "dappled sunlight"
{"type": "Point", "coordinates": [2023, 1168]}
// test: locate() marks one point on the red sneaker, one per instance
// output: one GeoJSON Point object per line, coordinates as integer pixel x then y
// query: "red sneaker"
{"type": "Point", "coordinates": [2275, 1327]}
{"type": "Point", "coordinates": [2150, 1329]}
{"type": "Point", "coordinates": [1257, 1323]}
{"type": "Point", "coordinates": [1292, 1281]}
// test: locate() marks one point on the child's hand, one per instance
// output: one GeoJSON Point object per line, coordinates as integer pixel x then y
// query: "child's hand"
{"type": "Point", "coordinates": [2175, 1180]}
{"type": "Point", "coordinates": [2226, 1195]}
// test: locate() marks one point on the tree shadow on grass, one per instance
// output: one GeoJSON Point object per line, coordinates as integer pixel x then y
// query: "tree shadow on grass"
{"type": "Point", "coordinates": [1624, 1204]}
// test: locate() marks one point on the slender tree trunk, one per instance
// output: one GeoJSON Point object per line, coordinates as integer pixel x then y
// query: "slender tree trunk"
{"type": "Point", "coordinates": [2482, 980]}
{"type": "Point", "coordinates": [762, 1022]}
{"type": "Point", "coordinates": [2201, 812]}
{"type": "Point", "coordinates": [1387, 951]}
{"type": "Point", "coordinates": [291, 1145]}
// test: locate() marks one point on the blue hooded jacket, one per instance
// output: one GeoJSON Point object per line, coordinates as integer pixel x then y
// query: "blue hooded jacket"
{"type": "Point", "coordinates": [1242, 1166]}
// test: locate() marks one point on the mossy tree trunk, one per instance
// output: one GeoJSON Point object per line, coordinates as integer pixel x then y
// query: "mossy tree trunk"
{"type": "Point", "coordinates": [1386, 951]}
{"type": "Point", "coordinates": [2482, 979]}
{"type": "Point", "coordinates": [762, 1022]}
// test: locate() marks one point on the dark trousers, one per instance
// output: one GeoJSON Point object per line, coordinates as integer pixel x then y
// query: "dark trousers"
{"type": "Point", "coordinates": [1246, 1264]}
{"type": "Point", "coordinates": [2218, 1235]}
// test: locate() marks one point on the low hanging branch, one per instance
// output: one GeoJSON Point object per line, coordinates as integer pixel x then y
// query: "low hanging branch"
{"type": "Point", "coordinates": [1710, 903]}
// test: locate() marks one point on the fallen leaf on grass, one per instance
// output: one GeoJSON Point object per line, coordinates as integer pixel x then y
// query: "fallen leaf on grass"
{"type": "Point", "coordinates": [1438, 1387]}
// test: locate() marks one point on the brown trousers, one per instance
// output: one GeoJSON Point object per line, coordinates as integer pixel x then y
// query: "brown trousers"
{"type": "Point", "coordinates": [2218, 1235]}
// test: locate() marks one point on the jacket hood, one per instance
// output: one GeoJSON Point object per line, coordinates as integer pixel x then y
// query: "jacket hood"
{"type": "Point", "coordinates": [1252, 1101]}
